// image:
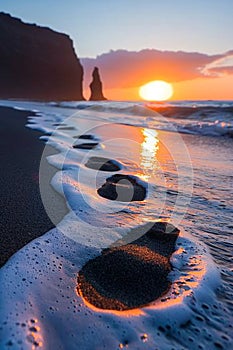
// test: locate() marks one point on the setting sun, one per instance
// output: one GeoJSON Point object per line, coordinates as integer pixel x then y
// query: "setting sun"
{"type": "Point", "coordinates": [157, 90]}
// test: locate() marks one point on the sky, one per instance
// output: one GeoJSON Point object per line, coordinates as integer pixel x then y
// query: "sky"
{"type": "Point", "coordinates": [106, 26]}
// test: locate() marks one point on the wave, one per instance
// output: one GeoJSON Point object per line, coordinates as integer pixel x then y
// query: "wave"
{"type": "Point", "coordinates": [204, 118]}
{"type": "Point", "coordinates": [199, 119]}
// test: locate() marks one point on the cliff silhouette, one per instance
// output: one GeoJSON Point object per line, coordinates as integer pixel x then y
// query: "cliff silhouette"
{"type": "Point", "coordinates": [37, 63]}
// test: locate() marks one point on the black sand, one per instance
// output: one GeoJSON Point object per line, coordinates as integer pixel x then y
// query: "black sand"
{"type": "Point", "coordinates": [132, 275]}
{"type": "Point", "coordinates": [22, 215]}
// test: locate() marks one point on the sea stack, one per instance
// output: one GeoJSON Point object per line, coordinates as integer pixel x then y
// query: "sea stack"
{"type": "Point", "coordinates": [37, 63]}
{"type": "Point", "coordinates": [96, 87]}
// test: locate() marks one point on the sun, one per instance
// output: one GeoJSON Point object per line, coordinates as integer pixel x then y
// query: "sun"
{"type": "Point", "coordinates": [157, 90]}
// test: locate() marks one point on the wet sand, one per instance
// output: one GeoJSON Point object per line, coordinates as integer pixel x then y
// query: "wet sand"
{"type": "Point", "coordinates": [22, 215]}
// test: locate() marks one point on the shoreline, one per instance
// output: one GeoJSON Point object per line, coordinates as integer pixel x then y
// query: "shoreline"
{"type": "Point", "coordinates": [23, 217]}
{"type": "Point", "coordinates": [43, 276]}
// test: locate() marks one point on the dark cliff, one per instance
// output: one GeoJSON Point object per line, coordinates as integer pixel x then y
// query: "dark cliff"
{"type": "Point", "coordinates": [96, 87]}
{"type": "Point", "coordinates": [37, 63]}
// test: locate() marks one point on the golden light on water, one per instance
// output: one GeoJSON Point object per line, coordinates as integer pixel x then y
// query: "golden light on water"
{"type": "Point", "coordinates": [157, 90]}
{"type": "Point", "coordinates": [149, 148]}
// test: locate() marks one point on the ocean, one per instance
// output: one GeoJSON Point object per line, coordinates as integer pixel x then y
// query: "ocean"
{"type": "Point", "coordinates": [181, 152]}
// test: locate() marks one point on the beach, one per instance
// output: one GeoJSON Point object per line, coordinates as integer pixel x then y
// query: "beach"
{"type": "Point", "coordinates": [23, 217]}
{"type": "Point", "coordinates": [187, 179]}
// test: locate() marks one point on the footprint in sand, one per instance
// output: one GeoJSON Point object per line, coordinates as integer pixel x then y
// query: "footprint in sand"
{"type": "Point", "coordinates": [103, 164]}
{"type": "Point", "coordinates": [124, 188]}
{"type": "Point", "coordinates": [132, 275]}
{"type": "Point", "coordinates": [86, 145]}
{"type": "Point", "coordinates": [86, 137]}
{"type": "Point", "coordinates": [68, 128]}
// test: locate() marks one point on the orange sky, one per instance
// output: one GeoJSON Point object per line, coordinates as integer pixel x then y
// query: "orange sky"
{"type": "Point", "coordinates": [197, 89]}
{"type": "Point", "coordinates": [194, 76]}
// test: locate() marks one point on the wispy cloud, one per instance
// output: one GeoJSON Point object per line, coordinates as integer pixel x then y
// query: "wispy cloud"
{"type": "Point", "coordinates": [219, 67]}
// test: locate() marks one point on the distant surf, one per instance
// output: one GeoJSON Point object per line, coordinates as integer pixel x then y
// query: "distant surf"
{"type": "Point", "coordinates": [211, 118]}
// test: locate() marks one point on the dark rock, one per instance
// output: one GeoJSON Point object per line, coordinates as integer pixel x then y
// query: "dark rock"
{"type": "Point", "coordinates": [104, 164]}
{"type": "Point", "coordinates": [37, 63]}
{"type": "Point", "coordinates": [96, 87]}
{"type": "Point", "coordinates": [86, 145]}
{"type": "Point", "coordinates": [132, 275]}
{"type": "Point", "coordinates": [124, 188]}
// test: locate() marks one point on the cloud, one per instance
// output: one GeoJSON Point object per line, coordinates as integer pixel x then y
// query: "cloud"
{"type": "Point", "coordinates": [127, 69]}
{"type": "Point", "coordinates": [220, 67]}
{"type": "Point", "coordinates": [222, 70]}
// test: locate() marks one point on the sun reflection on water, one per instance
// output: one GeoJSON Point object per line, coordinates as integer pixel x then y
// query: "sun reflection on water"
{"type": "Point", "coordinates": [149, 148]}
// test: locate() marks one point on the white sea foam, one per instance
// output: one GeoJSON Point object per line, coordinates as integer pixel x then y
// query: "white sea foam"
{"type": "Point", "coordinates": [40, 305]}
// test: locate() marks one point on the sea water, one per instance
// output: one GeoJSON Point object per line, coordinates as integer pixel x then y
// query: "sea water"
{"type": "Point", "coordinates": [184, 156]}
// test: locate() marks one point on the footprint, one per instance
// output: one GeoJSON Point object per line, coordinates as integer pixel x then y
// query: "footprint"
{"type": "Point", "coordinates": [59, 124]}
{"type": "Point", "coordinates": [124, 188]}
{"type": "Point", "coordinates": [103, 164]}
{"type": "Point", "coordinates": [66, 128]}
{"type": "Point", "coordinates": [85, 137]}
{"type": "Point", "coordinates": [132, 275]}
{"type": "Point", "coordinates": [86, 145]}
